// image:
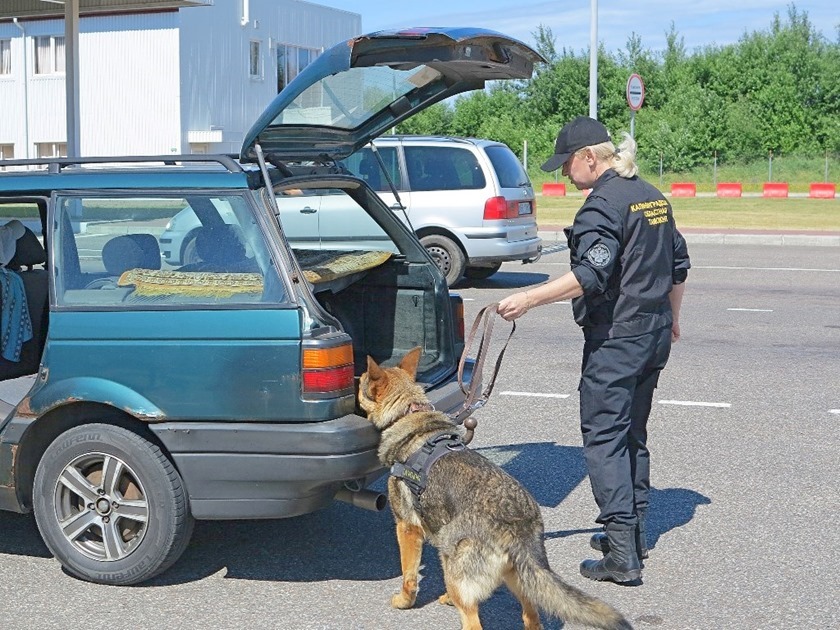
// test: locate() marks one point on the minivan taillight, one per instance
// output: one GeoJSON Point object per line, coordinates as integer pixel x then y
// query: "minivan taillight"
{"type": "Point", "coordinates": [500, 208]}
{"type": "Point", "coordinates": [327, 369]}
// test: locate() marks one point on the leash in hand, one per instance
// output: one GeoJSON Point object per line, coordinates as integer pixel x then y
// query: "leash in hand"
{"type": "Point", "coordinates": [485, 320]}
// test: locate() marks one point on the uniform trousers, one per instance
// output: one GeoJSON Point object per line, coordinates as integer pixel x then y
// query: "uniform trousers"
{"type": "Point", "coordinates": [618, 377]}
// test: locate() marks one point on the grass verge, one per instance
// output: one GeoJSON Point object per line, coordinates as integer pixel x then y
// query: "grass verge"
{"type": "Point", "coordinates": [746, 213]}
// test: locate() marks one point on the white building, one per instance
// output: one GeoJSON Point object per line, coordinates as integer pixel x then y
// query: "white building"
{"type": "Point", "coordinates": [158, 82]}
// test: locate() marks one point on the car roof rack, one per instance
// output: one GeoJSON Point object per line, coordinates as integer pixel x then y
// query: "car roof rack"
{"type": "Point", "coordinates": [56, 164]}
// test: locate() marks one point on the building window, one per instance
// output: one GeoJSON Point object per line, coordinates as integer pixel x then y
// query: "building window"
{"type": "Point", "coordinates": [291, 60]}
{"type": "Point", "coordinates": [5, 56]}
{"type": "Point", "coordinates": [255, 65]}
{"type": "Point", "coordinates": [49, 55]}
{"type": "Point", "coordinates": [51, 149]}
{"type": "Point", "coordinates": [7, 152]}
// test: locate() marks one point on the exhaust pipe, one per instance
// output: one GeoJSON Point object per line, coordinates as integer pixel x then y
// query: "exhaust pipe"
{"type": "Point", "coordinates": [367, 499]}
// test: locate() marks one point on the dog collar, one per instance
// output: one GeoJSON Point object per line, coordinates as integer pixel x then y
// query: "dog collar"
{"type": "Point", "coordinates": [415, 471]}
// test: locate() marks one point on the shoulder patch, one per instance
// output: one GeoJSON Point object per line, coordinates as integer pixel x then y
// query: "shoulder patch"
{"type": "Point", "coordinates": [599, 255]}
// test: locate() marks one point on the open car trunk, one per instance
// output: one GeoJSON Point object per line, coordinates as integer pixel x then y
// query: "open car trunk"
{"type": "Point", "coordinates": [368, 272]}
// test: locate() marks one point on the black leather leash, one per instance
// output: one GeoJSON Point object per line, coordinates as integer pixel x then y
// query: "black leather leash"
{"type": "Point", "coordinates": [486, 317]}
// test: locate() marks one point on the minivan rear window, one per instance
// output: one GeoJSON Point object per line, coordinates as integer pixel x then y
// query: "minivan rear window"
{"type": "Point", "coordinates": [443, 168]}
{"type": "Point", "coordinates": [507, 166]}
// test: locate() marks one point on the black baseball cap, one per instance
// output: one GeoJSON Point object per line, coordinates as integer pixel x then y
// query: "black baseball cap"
{"type": "Point", "coordinates": [583, 131]}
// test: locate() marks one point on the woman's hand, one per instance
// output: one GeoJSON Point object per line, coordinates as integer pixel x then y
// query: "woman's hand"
{"type": "Point", "coordinates": [514, 306]}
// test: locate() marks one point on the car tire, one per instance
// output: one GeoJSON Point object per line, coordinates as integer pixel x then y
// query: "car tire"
{"type": "Point", "coordinates": [85, 477]}
{"type": "Point", "coordinates": [447, 256]}
{"type": "Point", "coordinates": [482, 273]}
{"type": "Point", "coordinates": [189, 256]}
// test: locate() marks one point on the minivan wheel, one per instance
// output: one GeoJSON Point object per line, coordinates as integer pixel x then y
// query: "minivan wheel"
{"type": "Point", "coordinates": [447, 256]}
{"type": "Point", "coordinates": [482, 273]}
{"type": "Point", "coordinates": [110, 505]}
{"type": "Point", "coordinates": [189, 255]}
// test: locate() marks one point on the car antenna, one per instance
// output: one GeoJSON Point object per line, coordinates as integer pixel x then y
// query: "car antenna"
{"type": "Point", "coordinates": [391, 183]}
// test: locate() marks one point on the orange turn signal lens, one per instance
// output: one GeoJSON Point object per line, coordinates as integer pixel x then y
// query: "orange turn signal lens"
{"type": "Point", "coordinates": [320, 358]}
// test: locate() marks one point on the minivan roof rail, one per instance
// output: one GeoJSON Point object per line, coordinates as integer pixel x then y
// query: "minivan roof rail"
{"type": "Point", "coordinates": [424, 137]}
{"type": "Point", "coordinates": [56, 164]}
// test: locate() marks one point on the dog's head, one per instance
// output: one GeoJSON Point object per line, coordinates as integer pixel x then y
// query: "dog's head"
{"type": "Point", "coordinates": [387, 393]}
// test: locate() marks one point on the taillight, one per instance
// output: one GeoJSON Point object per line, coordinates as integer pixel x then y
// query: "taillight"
{"type": "Point", "coordinates": [327, 368]}
{"type": "Point", "coordinates": [495, 208]}
{"type": "Point", "coordinates": [500, 208]}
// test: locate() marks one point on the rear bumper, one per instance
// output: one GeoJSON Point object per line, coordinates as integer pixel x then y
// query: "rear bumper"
{"type": "Point", "coordinates": [241, 470]}
{"type": "Point", "coordinates": [258, 470]}
{"type": "Point", "coordinates": [481, 249]}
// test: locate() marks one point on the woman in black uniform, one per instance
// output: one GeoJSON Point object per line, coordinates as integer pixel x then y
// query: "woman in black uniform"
{"type": "Point", "coordinates": [628, 266]}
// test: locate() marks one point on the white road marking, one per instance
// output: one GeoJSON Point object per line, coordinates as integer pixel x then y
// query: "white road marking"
{"type": "Point", "coordinates": [752, 310]}
{"type": "Point", "coordinates": [693, 403]}
{"type": "Point", "coordinates": [834, 411]}
{"type": "Point", "coordinates": [762, 268]}
{"type": "Point", "coordinates": [535, 394]}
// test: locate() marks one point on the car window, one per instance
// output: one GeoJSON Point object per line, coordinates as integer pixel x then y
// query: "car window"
{"type": "Point", "coordinates": [507, 166]}
{"type": "Point", "coordinates": [364, 165]}
{"type": "Point", "coordinates": [443, 168]}
{"type": "Point", "coordinates": [133, 251]}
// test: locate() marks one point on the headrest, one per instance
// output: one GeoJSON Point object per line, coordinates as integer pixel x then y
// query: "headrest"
{"type": "Point", "coordinates": [219, 244]}
{"type": "Point", "coordinates": [130, 251]}
{"type": "Point", "coordinates": [28, 251]}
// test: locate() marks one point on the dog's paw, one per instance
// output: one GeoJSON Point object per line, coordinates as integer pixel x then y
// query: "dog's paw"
{"type": "Point", "coordinates": [403, 600]}
{"type": "Point", "coordinates": [444, 599]}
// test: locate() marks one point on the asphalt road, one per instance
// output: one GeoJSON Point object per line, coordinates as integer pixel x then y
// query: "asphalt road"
{"type": "Point", "coordinates": [745, 496]}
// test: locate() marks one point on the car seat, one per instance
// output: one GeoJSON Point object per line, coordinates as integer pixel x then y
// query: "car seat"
{"type": "Point", "coordinates": [221, 250]}
{"type": "Point", "coordinates": [128, 251]}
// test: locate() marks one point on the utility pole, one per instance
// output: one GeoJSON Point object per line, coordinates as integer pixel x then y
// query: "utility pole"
{"type": "Point", "coordinates": [593, 61]}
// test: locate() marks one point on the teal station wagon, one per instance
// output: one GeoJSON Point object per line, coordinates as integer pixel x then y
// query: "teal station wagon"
{"type": "Point", "coordinates": [223, 386]}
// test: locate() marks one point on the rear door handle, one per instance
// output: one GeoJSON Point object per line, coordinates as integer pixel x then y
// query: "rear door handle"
{"type": "Point", "coordinates": [308, 210]}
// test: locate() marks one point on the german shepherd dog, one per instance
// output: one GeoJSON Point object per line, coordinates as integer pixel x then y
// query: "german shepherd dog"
{"type": "Point", "coordinates": [486, 526]}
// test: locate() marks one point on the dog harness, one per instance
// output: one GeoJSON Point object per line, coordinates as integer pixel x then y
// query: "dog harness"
{"type": "Point", "coordinates": [415, 471]}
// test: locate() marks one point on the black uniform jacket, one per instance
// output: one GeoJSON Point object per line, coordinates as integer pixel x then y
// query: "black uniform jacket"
{"type": "Point", "coordinates": [626, 253]}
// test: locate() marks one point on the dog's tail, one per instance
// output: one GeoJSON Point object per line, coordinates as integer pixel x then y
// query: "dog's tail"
{"type": "Point", "coordinates": [550, 593]}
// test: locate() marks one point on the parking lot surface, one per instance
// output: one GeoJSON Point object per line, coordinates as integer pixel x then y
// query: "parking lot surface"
{"type": "Point", "coordinates": [744, 448]}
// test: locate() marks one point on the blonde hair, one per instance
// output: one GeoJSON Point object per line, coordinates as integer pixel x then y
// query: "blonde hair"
{"type": "Point", "coordinates": [621, 159]}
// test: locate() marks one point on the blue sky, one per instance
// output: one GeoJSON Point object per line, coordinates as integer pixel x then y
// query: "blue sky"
{"type": "Point", "coordinates": [699, 22]}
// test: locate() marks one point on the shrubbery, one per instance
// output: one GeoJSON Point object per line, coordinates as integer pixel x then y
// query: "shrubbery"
{"type": "Point", "coordinates": [775, 91]}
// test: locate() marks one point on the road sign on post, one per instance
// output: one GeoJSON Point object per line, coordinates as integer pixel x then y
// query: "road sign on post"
{"type": "Point", "coordinates": [635, 98]}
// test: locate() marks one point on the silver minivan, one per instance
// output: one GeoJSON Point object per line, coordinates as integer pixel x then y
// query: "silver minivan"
{"type": "Point", "coordinates": [469, 201]}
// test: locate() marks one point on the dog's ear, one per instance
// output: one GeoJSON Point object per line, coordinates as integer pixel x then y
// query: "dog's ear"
{"type": "Point", "coordinates": [374, 371]}
{"type": "Point", "coordinates": [409, 362]}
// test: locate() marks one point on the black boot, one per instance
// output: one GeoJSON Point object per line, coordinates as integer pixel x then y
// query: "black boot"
{"type": "Point", "coordinates": [600, 542]}
{"type": "Point", "coordinates": [621, 564]}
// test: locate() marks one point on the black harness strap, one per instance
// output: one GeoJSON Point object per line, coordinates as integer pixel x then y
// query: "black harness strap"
{"type": "Point", "coordinates": [415, 471]}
